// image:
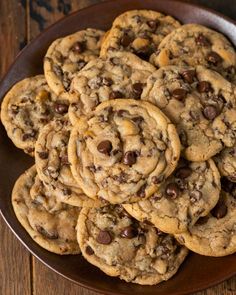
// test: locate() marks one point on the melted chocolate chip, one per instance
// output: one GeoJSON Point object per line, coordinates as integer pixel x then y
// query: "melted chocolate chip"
{"type": "Point", "coordinates": [130, 158]}
{"type": "Point", "coordinates": [227, 185]}
{"type": "Point", "coordinates": [105, 147]}
{"type": "Point", "coordinates": [172, 190]}
{"type": "Point", "coordinates": [220, 210]}
{"type": "Point", "coordinates": [210, 112]}
{"type": "Point", "coordinates": [202, 220]}
{"type": "Point", "coordinates": [67, 191]}
{"type": "Point", "coordinates": [214, 58]}
{"type": "Point", "coordinates": [141, 192]}
{"type": "Point", "coordinates": [179, 93]}
{"type": "Point", "coordinates": [144, 53]}
{"type": "Point", "coordinates": [126, 40]}
{"type": "Point", "coordinates": [104, 237]}
{"type": "Point", "coordinates": [138, 120]}
{"type": "Point", "coordinates": [115, 94]}
{"type": "Point", "coordinates": [137, 90]}
{"type": "Point", "coordinates": [204, 86]}
{"type": "Point", "coordinates": [183, 138]}
{"type": "Point", "coordinates": [28, 136]}
{"type": "Point", "coordinates": [153, 24]}
{"type": "Point", "coordinates": [189, 76]}
{"type": "Point", "coordinates": [61, 108]}
{"type": "Point", "coordinates": [89, 250]}
{"type": "Point", "coordinates": [43, 155]}
{"type": "Point", "coordinates": [129, 232]}
{"type": "Point", "coordinates": [183, 172]}
{"type": "Point", "coordinates": [157, 180]}
{"type": "Point", "coordinates": [79, 47]}
{"type": "Point", "coordinates": [202, 40]}
{"type": "Point", "coordinates": [107, 81]}
{"type": "Point", "coordinates": [48, 235]}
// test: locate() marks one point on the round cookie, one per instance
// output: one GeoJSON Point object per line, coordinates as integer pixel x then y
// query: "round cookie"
{"type": "Point", "coordinates": [185, 196]}
{"type": "Point", "coordinates": [68, 55]}
{"type": "Point", "coordinates": [121, 75]}
{"type": "Point", "coordinates": [226, 163]}
{"type": "Point", "coordinates": [51, 225]}
{"type": "Point", "coordinates": [215, 234]}
{"type": "Point", "coordinates": [139, 32]}
{"type": "Point", "coordinates": [53, 166]}
{"type": "Point", "coordinates": [26, 108]}
{"type": "Point", "coordinates": [193, 45]}
{"type": "Point", "coordinates": [120, 246]}
{"type": "Point", "coordinates": [202, 105]}
{"type": "Point", "coordinates": [123, 151]}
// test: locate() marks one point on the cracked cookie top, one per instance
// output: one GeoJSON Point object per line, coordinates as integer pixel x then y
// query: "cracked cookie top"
{"type": "Point", "coordinates": [139, 32]}
{"type": "Point", "coordinates": [189, 193]}
{"type": "Point", "coordinates": [121, 246]}
{"type": "Point", "coordinates": [192, 45]}
{"type": "Point", "coordinates": [202, 105]}
{"type": "Point", "coordinates": [50, 224]}
{"type": "Point", "coordinates": [123, 151]}
{"type": "Point", "coordinates": [26, 108]}
{"type": "Point", "coordinates": [215, 234]}
{"type": "Point", "coordinates": [68, 55]}
{"type": "Point", "coordinates": [226, 163]}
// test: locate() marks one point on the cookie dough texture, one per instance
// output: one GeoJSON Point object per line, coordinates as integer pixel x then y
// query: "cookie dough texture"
{"type": "Point", "coordinates": [68, 55]}
{"type": "Point", "coordinates": [226, 163]}
{"type": "Point", "coordinates": [139, 32]}
{"type": "Point", "coordinates": [120, 246]}
{"type": "Point", "coordinates": [53, 166]}
{"type": "Point", "coordinates": [121, 75]}
{"type": "Point", "coordinates": [123, 151]}
{"type": "Point", "coordinates": [185, 196]}
{"type": "Point", "coordinates": [202, 105]}
{"type": "Point", "coordinates": [49, 223]}
{"type": "Point", "coordinates": [215, 235]}
{"type": "Point", "coordinates": [26, 108]}
{"type": "Point", "coordinates": [194, 44]}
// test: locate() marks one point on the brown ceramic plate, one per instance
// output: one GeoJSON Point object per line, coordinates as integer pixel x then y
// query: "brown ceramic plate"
{"type": "Point", "coordinates": [197, 272]}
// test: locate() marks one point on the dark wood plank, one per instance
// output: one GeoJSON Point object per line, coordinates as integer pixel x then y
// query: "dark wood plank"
{"type": "Point", "coordinates": [15, 273]}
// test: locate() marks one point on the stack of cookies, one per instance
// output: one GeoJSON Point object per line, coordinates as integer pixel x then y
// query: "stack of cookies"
{"type": "Point", "coordinates": [134, 137]}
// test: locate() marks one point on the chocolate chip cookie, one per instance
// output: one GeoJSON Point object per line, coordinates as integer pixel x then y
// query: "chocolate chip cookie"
{"type": "Point", "coordinates": [189, 193]}
{"type": "Point", "coordinates": [215, 234]}
{"type": "Point", "coordinates": [123, 151]}
{"type": "Point", "coordinates": [192, 45]}
{"type": "Point", "coordinates": [51, 225]}
{"type": "Point", "coordinates": [139, 32]}
{"type": "Point", "coordinates": [26, 108]}
{"type": "Point", "coordinates": [121, 75]}
{"type": "Point", "coordinates": [226, 163]}
{"type": "Point", "coordinates": [112, 240]}
{"type": "Point", "coordinates": [53, 166]}
{"type": "Point", "coordinates": [68, 55]}
{"type": "Point", "coordinates": [202, 105]}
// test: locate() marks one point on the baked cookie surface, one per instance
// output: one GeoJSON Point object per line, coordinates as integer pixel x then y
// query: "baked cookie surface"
{"type": "Point", "coordinates": [112, 240]}
{"type": "Point", "coordinates": [123, 151]}
{"type": "Point", "coordinates": [68, 55]}
{"type": "Point", "coordinates": [202, 105]}
{"type": "Point", "coordinates": [139, 32]}
{"type": "Point", "coordinates": [26, 108]}
{"type": "Point", "coordinates": [189, 193]}
{"type": "Point", "coordinates": [226, 163]}
{"type": "Point", "coordinates": [194, 44]}
{"type": "Point", "coordinates": [49, 223]}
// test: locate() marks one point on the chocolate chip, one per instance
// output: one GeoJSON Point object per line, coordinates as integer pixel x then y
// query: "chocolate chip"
{"type": "Point", "coordinates": [105, 147]}
{"type": "Point", "coordinates": [183, 172]}
{"type": "Point", "coordinates": [130, 158]}
{"type": "Point", "coordinates": [227, 185]}
{"type": "Point", "coordinates": [81, 64]}
{"type": "Point", "coordinates": [48, 235]}
{"type": "Point", "coordinates": [189, 76]}
{"type": "Point", "coordinates": [29, 135]}
{"type": "Point", "coordinates": [144, 53]}
{"type": "Point", "coordinates": [183, 138]}
{"type": "Point", "coordinates": [126, 40]}
{"type": "Point", "coordinates": [107, 81]}
{"type": "Point", "coordinates": [79, 47]}
{"type": "Point", "coordinates": [214, 58]}
{"type": "Point", "coordinates": [61, 108]}
{"type": "Point", "coordinates": [67, 191]}
{"type": "Point", "coordinates": [129, 232]}
{"type": "Point", "coordinates": [202, 220]}
{"type": "Point", "coordinates": [202, 40]}
{"type": "Point", "coordinates": [153, 25]}
{"type": "Point", "coordinates": [210, 112]}
{"type": "Point", "coordinates": [137, 90]}
{"type": "Point", "coordinates": [89, 250]}
{"type": "Point", "coordinates": [43, 155]}
{"type": "Point", "coordinates": [220, 210]}
{"type": "Point", "coordinates": [179, 93]}
{"type": "Point", "coordinates": [15, 109]}
{"type": "Point", "coordinates": [141, 192]}
{"type": "Point", "coordinates": [172, 190]}
{"type": "Point", "coordinates": [157, 180]}
{"type": "Point", "coordinates": [115, 94]}
{"type": "Point", "coordinates": [204, 86]}
{"type": "Point", "coordinates": [104, 237]}
{"type": "Point", "coordinates": [137, 120]}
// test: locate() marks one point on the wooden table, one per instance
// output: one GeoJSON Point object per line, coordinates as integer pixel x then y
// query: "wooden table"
{"type": "Point", "coordinates": [20, 21]}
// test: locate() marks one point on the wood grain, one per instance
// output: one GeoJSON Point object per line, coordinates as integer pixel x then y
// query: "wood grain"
{"type": "Point", "coordinates": [20, 21]}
